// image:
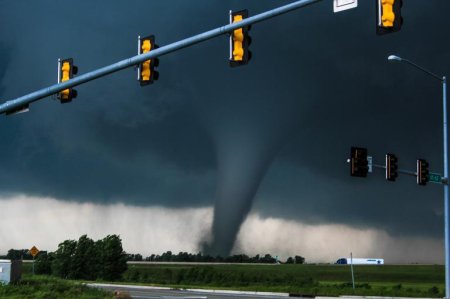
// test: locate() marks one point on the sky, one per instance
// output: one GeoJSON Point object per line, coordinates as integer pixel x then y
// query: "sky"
{"type": "Point", "coordinates": [218, 159]}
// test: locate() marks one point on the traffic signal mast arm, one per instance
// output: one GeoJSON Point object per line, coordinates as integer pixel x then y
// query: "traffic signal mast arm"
{"type": "Point", "coordinates": [404, 171]}
{"type": "Point", "coordinates": [133, 61]}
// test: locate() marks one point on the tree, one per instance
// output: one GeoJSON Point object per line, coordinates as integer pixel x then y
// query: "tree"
{"type": "Point", "coordinates": [43, 263]}
{"type": "Point", "coordinates": [150, 258]}
{"type": "Point", "coordinates": [255, 259]}
{"type": "Point", "coordinates": [166, 256]}
{"type": "Point", "coordinates": [299, 259]}
{"type": "Point", "coordinates": [18, 254]}
{"type": "Point", "coordinates": [290, 260]}
{"type": "Point", "coordinates": [62, 263]}
{"type": "Point", "coordinates": [85, 259]}
{"type": "Point", "coordinates": [134, 257]}
{"type": "Point", "coordinates": [113, 260]}
{"type": "Point", "coordinates": [268, 259]}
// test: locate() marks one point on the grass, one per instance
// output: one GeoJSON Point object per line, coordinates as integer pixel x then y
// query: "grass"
{"type": "Point", "coordinates": [327, 280]}
{"type": "Point", "coordinates": [40, 287]}
{"type": "Point", "coordinates": [331, 280]}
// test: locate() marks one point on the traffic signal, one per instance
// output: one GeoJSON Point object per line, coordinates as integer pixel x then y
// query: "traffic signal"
{"type": "Point", "coordinates": [422, 172]}
{"type": "Point", "coordinates": [391, 167]}
{"type": "Point", "coordinates": [239, 40]}
{"type": "Point", "coordinates": [66, 71]}
{"type": "Point", "coordinates": [358, 162]}
{"type": "Point", "coordinates": [21, 109]}
{"type": "Point", "coordinates": [389, 16]}
{"type": "Point", "coordinates": [146, 70]}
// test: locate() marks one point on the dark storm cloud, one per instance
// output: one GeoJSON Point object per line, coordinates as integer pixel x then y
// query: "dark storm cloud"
{"type": "Point", "coordinates": [362, 100]}
{"type": "Point", "coordinates": [318, 83]}
{"type": "Point", "coordinates": [116, 141]}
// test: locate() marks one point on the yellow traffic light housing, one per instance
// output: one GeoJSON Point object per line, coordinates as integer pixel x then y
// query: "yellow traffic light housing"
{"type": "Point", "coordinates": [66, 71]}
{"type": "Point", "coordinates": [389, 16]}
{"type": "Point", "coordinates": [239, 40]}
{"type": "Point", "coordinates": [146, 70]}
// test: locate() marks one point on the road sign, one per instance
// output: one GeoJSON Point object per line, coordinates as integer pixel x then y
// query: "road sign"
{"type": "Point", "coordinates": [340, 5]}
{"type": "Point", "coordinates": [33, 251]}
{"type": "Point", "coordinates": [369, 163]}
{"type": "Point", "coordinates": [435, 178]}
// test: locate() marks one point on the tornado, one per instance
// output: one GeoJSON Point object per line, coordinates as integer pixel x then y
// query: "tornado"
{"type": "Point", "coordinates": [241, 168]}
{"type": "Point", "coordinates": [244, 153]}
{"type": "Point", "coordinates": [247, 123]}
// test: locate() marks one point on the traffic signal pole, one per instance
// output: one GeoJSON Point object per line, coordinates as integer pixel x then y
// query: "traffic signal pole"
{"type": "Point", "coordinates": [446, 193]}
{"type": "Point", "coordinates": [445, 179]}
{"type": "Point", "coordinates": [135, 60]}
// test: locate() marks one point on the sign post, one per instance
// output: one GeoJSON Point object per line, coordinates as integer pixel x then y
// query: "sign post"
{"type": "Point", "coordinates": [33, 251]}
{"type": "Point", "coordinates": [351, 266]}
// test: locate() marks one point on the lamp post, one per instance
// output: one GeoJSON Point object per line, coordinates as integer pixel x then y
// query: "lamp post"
{"type": "Point", "coordinates": [394, 58]}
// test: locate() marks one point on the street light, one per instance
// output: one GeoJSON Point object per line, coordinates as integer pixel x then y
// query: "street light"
{"type": "Point", "coordinates": [443, 79]}
{"type": "Point", "coordinates": [394, 58]}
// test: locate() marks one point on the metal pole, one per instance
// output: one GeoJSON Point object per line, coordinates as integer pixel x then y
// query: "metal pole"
{"type": "Point", "coordinates": [446, 194]}
{"type": "Point", "coordinates": [129, 62]}
{"type": "Point", "coordinates": [445, 179]}
{"type": "Point", "coordinates": [351, 266]}
{"type": "Point", "coordinates": [422, 69]}
{"type": "Point", "coordinates": [403, 171]}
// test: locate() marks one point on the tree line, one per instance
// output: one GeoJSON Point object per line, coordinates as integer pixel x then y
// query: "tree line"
{"type": "Point", "coordinates": [103, 259]}
{"type": "Point", "coordinates": [168, 256]}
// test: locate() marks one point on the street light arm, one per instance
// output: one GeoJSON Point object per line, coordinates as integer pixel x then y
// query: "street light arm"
{"type": "Point", "coordinates": [423, 69]}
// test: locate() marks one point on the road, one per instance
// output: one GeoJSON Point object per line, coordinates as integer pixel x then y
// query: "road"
{"type": "Point", "coordinates": [145, 292]}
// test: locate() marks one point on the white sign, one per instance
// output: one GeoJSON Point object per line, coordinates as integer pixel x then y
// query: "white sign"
{"type": "Point", "coordinates": [1, 270]}
{"type": "Point", "coordinates": [340, 5]}
{"type": "Point", "coordinates": [369, 163]}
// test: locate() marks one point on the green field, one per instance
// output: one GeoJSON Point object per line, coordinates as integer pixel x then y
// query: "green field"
{"type": "Point", "coordinates": [387, 280]}
{"type": "Point", "coordinates": [332, 280]}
